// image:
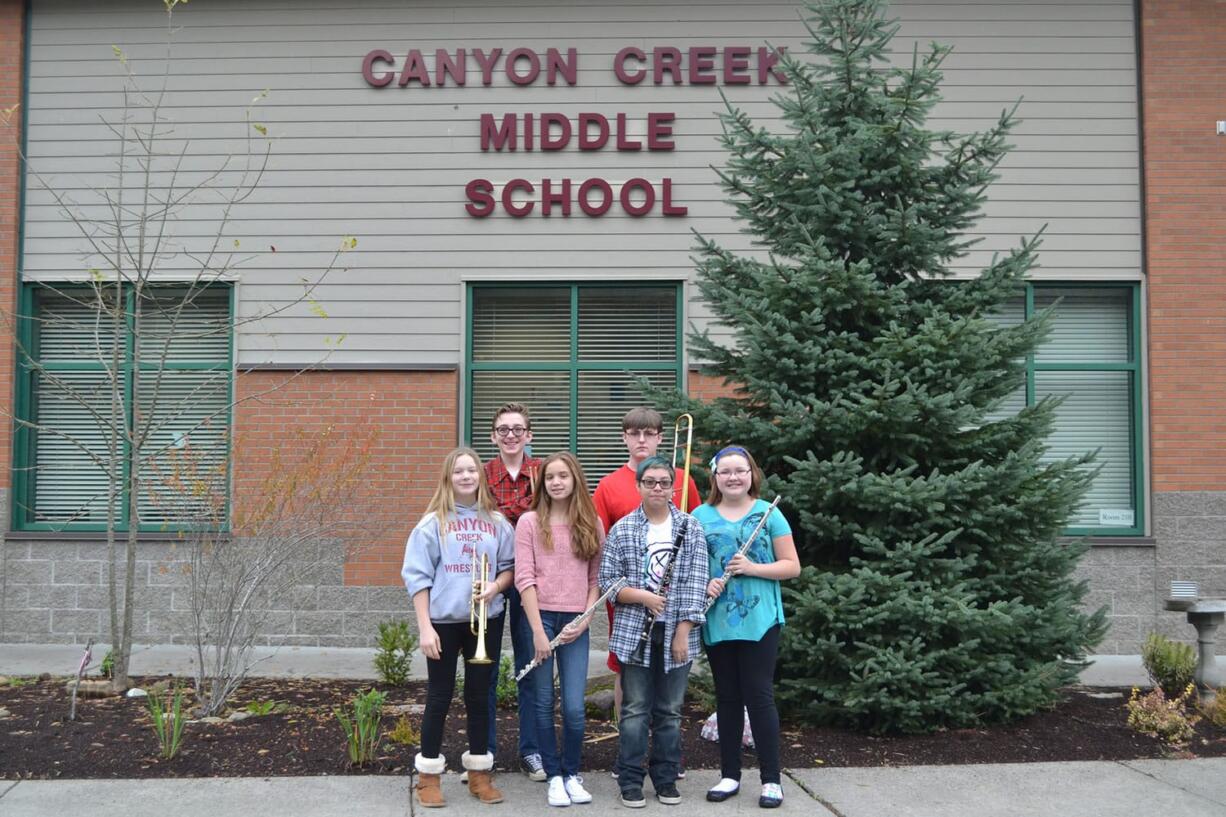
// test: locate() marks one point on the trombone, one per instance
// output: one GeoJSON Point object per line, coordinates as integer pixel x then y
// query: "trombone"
{"type": "Point", "coordinates": [477, 612]}
{"type": "Point", "coordinates": [685, 421]}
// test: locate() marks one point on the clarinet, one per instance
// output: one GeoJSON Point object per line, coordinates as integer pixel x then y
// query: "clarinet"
{"type": "Point", "coordinates": [666, 581]}
{"type": "Point", "coordinates": [588, 613]}
{"type": "Point", "coordinates": [744, 548]}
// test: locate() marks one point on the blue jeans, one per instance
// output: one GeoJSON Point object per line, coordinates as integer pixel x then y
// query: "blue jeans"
{"type": "Point", "coordinates": [521, 646]}
{"type": "Point", "coordinates": [572, 678]}
{"type": "Point", "coordinates": [650, 697]}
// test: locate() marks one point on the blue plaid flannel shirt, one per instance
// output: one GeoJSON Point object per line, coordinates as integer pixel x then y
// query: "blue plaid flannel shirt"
{"type": "Point", "coordinates": [623, 556]}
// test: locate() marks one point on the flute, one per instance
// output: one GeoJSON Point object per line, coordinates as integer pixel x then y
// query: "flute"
{"type": "Point", "coordinates": [588, 613]}
{"type": "Point", "coordinates": [742, 551]}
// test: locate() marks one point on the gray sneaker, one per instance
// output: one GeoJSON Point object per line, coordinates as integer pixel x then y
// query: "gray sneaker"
{"type": "Point", "coordinates": [533, 767]}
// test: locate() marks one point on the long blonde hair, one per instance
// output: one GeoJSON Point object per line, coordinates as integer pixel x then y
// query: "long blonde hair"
{"type": "Point", "coordinates": [442, 504]}
{"type": "Point", "coordinates": [580, 516]}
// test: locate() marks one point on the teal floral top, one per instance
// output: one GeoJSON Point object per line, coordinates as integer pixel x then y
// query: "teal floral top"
{"type": "Point", "coordinates": [749, 606]}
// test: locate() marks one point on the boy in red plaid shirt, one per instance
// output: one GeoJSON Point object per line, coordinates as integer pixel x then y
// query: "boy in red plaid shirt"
{"type": "Point", "coordinates": [512, 477]}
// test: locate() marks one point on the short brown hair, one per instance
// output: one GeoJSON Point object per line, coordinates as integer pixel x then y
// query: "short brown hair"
{"type": "Point", "coordinates": [511, 408]}
{"type": "Point", "coordinates": [642, 418]}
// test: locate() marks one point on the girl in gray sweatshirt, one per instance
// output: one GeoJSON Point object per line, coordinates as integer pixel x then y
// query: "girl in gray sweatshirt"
{"type": "Point", "coordinates": [462, 520]}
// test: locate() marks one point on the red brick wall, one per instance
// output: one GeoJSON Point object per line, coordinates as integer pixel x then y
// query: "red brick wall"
{"type": "Point", "coordinates": [707, 387]}
{"type": "Point", "coordinates": [413, 416]}
{"type": "Point", "coordinates": [12, 29]}
{"type": "Point", "coordinates": [1183, 78]}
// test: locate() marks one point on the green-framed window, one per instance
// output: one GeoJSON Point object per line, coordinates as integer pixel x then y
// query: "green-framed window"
{"type": "Point", "coordinates": [1092, 359]}
{"type": "Point", "coordinates": [174, 375]}
{"type": "Point", "coordinates": [572, 353]}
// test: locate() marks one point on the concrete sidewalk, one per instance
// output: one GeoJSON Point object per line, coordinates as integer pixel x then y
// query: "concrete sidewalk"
{"type": "Point", "coordinates": [340, 662]}
{"type": "Point", "coordinates": [1188, 788]}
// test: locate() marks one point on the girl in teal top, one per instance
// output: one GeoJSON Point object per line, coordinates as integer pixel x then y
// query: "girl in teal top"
{"type": "Point", "coordinates": [741, 633]}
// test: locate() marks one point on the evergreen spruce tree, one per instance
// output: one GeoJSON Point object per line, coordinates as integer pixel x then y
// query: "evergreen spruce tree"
{"type": "Point", "coordinates": [937, 589]}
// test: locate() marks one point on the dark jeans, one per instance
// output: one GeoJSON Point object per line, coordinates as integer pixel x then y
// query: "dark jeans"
{"type": "Point", "coordinates": [522, 650]}
{"type": "Point", "coordinates": [651, 698]}
{"type": "Point", "coordinates": [571, 660]}
{"type": "Point", "coordinates": [744, 673]}
{"type": "Point", "coordinates": [455, 639]}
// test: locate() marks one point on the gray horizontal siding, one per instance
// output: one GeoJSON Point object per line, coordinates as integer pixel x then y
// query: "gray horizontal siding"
{"type": "Point", "coordinates": [389, 165]}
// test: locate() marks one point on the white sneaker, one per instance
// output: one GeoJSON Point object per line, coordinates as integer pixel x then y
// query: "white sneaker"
{"type": "Point", "coordinates": [575, 790]}
{"type": "Point", "coordinates": [557, 792]}
{"type": "Point", "coordinates": [464, 776]}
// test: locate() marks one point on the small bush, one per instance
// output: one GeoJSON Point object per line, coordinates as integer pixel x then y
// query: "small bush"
{"type": "Point", "coordinates": [260, 708]}
{"type": "Point", "coordinates": [1215, 712]}
{"type": "Point", "coordinates": [168, 721]}
{"type": "Point", "coordinates": [506, 690]}
{"type": "Point", "coordinates": [404, 733]}
{"type": "Point", "coordinates": [1170, 665]}
{"type": "Point", "coordinates": [1155, 715]}
{"type": "Point", "coordinates": [394, 652]}
{"type": "Point", "coordinates": [361, 729]}
{"type": "Point", "coordinates": [107, 667]}
{"type": "Point", "coordinates": [701, 687]}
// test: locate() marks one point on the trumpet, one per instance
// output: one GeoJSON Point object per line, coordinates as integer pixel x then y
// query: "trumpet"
{"type": "Point", "coordinates": [477, 612]}
{"type": "Point", "coordinates": [685, 421]}
{"type": "Point", "coordinates": [586, 614]}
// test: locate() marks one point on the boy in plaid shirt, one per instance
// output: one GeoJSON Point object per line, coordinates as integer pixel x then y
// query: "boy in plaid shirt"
{"type": "Point", "coordinates": [654, 678]}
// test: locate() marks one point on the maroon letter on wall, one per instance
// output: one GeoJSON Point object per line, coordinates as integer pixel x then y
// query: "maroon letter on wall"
{"type": "Point", "coordinates": [503, 135]}
{"type": "Point", "coordinates": [619, 65]}
{"type": "Point", "coordinates": [548, 140]}
{"type": "Point", "coordinates": [509, 204]}
{"type": "Point", "coordinates": [480, 202]}
{"type": "Point", "coordinates": [487, 64]}
{"type": "Point", "coordinates": [606, 193]}
{"type": "Point", "coordinates": [368, 68]}
{"type": "Point", "coordinates": [649, 197]}
{"type": "Point", "coordinates": [534, 66]}
{"type": "Point", "coordinates": [702, 65]}
{"type": "Point", "coordinates": [659, 127]}
{"type": "Point", "coordinates": [568, 68]}
{"type": "Point", "coordinates": [602, 125]}
{"type": "Point", "coordinates": [736, 65]}
{"type": "Point", "coordinates": [444, 67]}
{"type": "Point", "coordinates": [766, 63]}
{"type": "Point", "coordinates": [669, 208]}
{"type": "Point", "coordinates": [415, 69]}
{"type": "Point", "coordinates": [666, 58]}
{"type": "Point", "coordinates": [550, 198]}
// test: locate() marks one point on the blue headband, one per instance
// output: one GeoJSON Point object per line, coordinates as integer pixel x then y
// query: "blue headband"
{"type": "Point", "coordinates": [731, 449]}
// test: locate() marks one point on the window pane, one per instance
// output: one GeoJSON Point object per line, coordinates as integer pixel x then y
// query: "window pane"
{"type": "Point", "coordinates": [1096, 414]}
{"type": "Point", "coordinates": [75, 326]}
{"type": "Point", "coordinates": [604, 397]}
{"type": "Point", "coordinates": [528, 323]}
{"type": "Point", "coordinates": [1090, 325]}
{"type": "Point", "coordinates": [183, 469]}
{"type": "Point", "coordinates": [177, 326]}
{"type": "Point", "coordinates": [70, 478]}
{"type": "Point", "coordinates": [547, 396]}
{"type": "Point", "coordinates": [627, 323]}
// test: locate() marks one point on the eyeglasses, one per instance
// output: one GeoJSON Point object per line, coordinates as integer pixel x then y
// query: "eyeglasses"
{"type": "Point", "coordinates": [510, 431]}
{"type": "Point", "coordinates": [641, 434]}
{"type": "Point", "coordinates": [732, 472]}
{"type": "Point", "coordinates": [652, 484]}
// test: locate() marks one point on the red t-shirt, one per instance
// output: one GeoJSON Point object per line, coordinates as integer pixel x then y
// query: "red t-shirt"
{"type": "Point", "coordinates": [616, 496]}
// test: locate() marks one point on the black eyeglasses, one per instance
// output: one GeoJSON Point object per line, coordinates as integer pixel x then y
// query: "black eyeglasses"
{"type": "Point", "coordinates": [652, 484]}
{"type": "Point", "coordinates": [510, 431]}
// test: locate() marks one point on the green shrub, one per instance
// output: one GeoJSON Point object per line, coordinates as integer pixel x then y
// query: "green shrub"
{"type": "Point", "coordinates": [404, 732]}
{"type": "Point", "coordinates": [506, 690]}
{"type": "Point", "coordinates": [1155, 715]}
{"type": "Point", "coordinates": [167, 721]}
{"type": "Point", "coordinates": [701, 687]}
{"type": "Point", "coordinates": [394, 652]}
{"type": "Point", "coordinates": [261, 708]}
{"type": "Point", "coordinates": [1171, 665]}
{"type": "Point", "coordinates": [361, 729]}
{"type": "Point", "coordinates": [107, 668]}
{"type": "Point", "coordinates": [1215, 712]}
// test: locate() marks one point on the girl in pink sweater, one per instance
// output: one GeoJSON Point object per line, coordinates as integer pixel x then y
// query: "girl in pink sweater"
{"type": "Point", "coordinates": [557, 556]}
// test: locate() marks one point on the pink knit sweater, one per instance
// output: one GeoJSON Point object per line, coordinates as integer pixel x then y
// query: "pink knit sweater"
{"type": "Point", "coordinates": [561, 578]}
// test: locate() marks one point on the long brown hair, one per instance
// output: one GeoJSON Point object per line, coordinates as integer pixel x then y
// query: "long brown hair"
{"type": "Point", "coordinates": [580, 517]}
{"type": "Point", "coordinates": [442, 504]}
{"type": "Point", "coordinates": [715, 495]}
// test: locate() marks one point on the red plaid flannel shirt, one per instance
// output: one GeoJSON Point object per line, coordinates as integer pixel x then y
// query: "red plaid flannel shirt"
{"type": "Point", "coordinates": [514, 496]}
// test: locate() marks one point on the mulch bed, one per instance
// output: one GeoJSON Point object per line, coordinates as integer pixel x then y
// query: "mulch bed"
{"type": "Point", "coordinates": [112, 738]}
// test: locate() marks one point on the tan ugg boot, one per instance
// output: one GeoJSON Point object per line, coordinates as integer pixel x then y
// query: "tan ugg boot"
{"type": "Point", "coordinates": [480, 777]}
{"type": "Point", "coordinates": [429, 780]}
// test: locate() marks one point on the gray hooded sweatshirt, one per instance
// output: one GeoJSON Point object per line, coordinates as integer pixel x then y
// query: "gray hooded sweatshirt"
{"type": "Point", "coordinates": [446, 570]}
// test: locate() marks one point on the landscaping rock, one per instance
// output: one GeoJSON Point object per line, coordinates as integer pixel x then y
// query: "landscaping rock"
{"type": "Point", "coordinates": [4, 713]}
{"type": "Point", "coordinates": [93, 689]}
{"type": "Point", "coordinates": [235, 717]}
{"type": "Point", "coordinates": [599, 704]}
